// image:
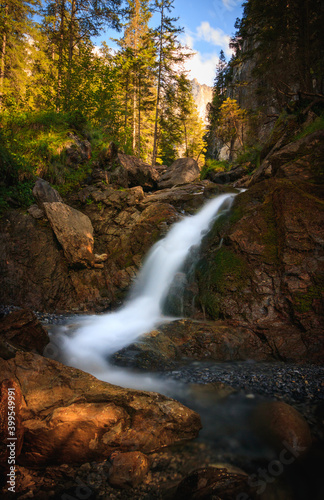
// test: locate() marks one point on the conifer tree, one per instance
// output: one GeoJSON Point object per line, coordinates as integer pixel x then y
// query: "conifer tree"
{"type": "Point", "coordinates": [16, 27]}
{"type": "Point", "coordinates": [171, 55]}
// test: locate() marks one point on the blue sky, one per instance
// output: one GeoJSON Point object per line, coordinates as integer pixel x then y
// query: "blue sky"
{"type": "Point", "coordinates": [208, 25]}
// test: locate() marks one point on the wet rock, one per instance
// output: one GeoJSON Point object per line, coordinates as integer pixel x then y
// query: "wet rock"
{"type": "Point", "coordinates": [128, 469]}
{"type": "Point", "coordinates": [262, 266]}
{"type": "Point", "coordinates": [211, 482]}
{"type": "Point", "coordinates": [187, 339]}
{"type": "Point", "coordinates": [69, 416]}
{"type": "Point", "coordinates": [186, 198]}
{"type": "Point", "coordinates": [283, 428]}
{"type": "Point", "coordinates": [21, 329]}
{"type": "Point", "coordinates": [43, 192]}
{"type": "Point", "coordinates": [74, 231]}
{"type": "Point", "coordinates": [182, 171]}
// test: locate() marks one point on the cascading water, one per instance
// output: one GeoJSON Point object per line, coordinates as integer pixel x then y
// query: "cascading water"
{"type": "Point", "coordinates": [101, 336]}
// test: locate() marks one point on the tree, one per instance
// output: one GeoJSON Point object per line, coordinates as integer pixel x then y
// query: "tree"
{"type": "Point", "coordinates": [69, 26]}
{"type": "Point", "coordinates": [16, 27]}
{"type": "Point", "coordinates": [219, 96]}
{"type": "Point", "coordinates": [138, 58]}
{"type": "Point", "coordinates": [171, 54]}
{"type": "Point", "coordinates": [286, 41]}
{"type": "Point", "coordinates": [230, 125]}
{"type": "Point", "coordinates": [181, 128]}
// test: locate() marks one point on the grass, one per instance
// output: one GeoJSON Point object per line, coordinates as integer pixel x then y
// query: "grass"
{"type": "Point", "coordinates": [317, 124]}
{"type": "Point", "coordinates": [34, 145]}
{"type": "Point", "coordinates": [214, 166]}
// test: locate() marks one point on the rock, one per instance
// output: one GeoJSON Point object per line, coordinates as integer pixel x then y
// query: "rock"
{"type": "Point", "coordinates": [262, 265]}
{"type": "Point", "coordinates": [108, 155]}
{"type": "Point", "coordinates": [128, 469]}
{"type": "Point", "coordinates": [71, 417]}
{"type": "Point", "coordinates": [186, 198]}
{"type": "Point", "coordinates": [211, 482]}
{"type": "Point", "coordinates": [130, 171]}
{"type": "Point", "coordinates": [11, 431]}
{"type": "Point", "coordinates": [301, 160]}
{"type": "Point", "coordinates": [187, 339]}
{"type": "Point", "coordinates": [226, 177]}
{"type": "Point", "coordinates": [283, 428]}
{"type": "Point", "coordinates": [36, 212]}
{"type": "Point", "coordinates": [78, 151]}
{"type": "Point", "coordinates": [74, 231]}
{"type": "Point", "coordinates": [182, 171]}
{"type": "Point", "coordinates": [21, 329]}
{"type": "Point", "coordinates": [44, 193]}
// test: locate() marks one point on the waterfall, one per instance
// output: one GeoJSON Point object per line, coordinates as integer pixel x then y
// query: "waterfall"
{"type": "Point", "coordinates": [102, 335]}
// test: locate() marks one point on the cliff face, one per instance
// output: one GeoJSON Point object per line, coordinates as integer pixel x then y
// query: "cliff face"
{"type": "Point", "coordinates": [202, 95]}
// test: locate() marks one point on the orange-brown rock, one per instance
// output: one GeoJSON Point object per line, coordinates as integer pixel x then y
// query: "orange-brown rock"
{"type": "Point", "coordinates": [71, 417]}
{"type": "Point", "coordinates": [262, 266]}
{"type": "Point", "coordinates": [207, 340]}
{"type": "Point", "coordinates": [74, 231]}
{"type": "Point", "coordinates": [283, 427]}
{"type": "Point", "coordinates": [182, 171]}
{"type": "Point", "coordinates": [128, 469]}
{"type": "Point", "coordinates": [214, 482]}
{"type": "Point", "coordinates": [23, 330]}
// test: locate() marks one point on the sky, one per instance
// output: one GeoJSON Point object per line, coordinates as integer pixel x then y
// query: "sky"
{"type": "Point", "coordinates": [208, 26]}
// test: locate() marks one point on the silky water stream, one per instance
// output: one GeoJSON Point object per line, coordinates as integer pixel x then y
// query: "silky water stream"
{"type": "Point", "coordinates": [87, 342]}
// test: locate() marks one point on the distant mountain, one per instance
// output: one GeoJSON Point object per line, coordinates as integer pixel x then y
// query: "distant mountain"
{"type": "Point", "coordinates": [202, 95]}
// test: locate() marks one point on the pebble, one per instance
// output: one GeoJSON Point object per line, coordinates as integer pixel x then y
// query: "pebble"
{"type": "Point", "coordinates": [293, 383]}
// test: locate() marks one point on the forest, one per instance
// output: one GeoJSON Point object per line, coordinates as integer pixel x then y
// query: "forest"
{"type": "Point", "coordinates": [54, 79]}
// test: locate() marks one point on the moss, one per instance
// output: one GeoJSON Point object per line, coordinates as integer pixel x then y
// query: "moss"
{"type": "Point", "coordinates": [270, 237]}
{"type": "Point", "coordinates": [304, 300]}
{"type": "Point", "coordinates": [225, 272]}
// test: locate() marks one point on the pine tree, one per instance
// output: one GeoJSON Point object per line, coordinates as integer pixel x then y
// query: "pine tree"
{"type": "Point", "coordinates": [16, 27]}
{"type": "Point", "coordinates": [69, 26]}
{"type": "Point", "coordinates": [171, 55]}
{"type": "Point", "coordinates": [219, 96]}
{"type": "Point", "coordinates": [138, 61]}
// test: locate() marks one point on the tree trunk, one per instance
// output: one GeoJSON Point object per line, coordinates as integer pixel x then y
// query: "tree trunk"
{"type": "Point", "coordinates": [139, 117]}
{"type": "Point", "coordinates": [126, 109]}
{"type": "Point", "coordinates": [60, 57]}
{"type": "Point", "coordinates": [154, 155]}
{"type": "Point", "coordinates": [2, 65]}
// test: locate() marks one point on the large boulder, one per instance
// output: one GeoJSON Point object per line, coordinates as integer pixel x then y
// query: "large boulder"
{"type": "Point", "coordinates": [298, 160]}
{"type": "Point", "coordinates": [226, 177]}
{"type": "Point", "coordinates": [182, 171]}
{"type": "Point", "coordinates": [129, 171]}
{"type": "Point", "coordinates": [262, 266]}
{"type": "Point", "coordinates": [36, 273]}
{"type": "Point", "coordinates": [74, 231]}
{"type": "Point", "coordinates": [71, 417]}
{"type": "Point", "coordinates": [173, 342]}
{"type": "Point", "coordinates": [21, 329]}
{"type": "Point", "coordinates": [44, 193]}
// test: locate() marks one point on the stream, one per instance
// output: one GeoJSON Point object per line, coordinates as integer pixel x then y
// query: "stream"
{"type": "Point", "coordinates": [86, 342]}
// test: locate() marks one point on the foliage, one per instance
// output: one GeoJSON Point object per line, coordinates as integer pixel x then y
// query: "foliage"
{"type": "Point", "coordinates": [215, 166]}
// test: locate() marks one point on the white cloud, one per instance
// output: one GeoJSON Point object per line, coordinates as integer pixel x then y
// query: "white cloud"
{"type": "Point", "coordinates": [230, 4]}
{"type": "Point", "coordinates": [216, 36]}
{"type": "Point", "coordinates": [202, 67]}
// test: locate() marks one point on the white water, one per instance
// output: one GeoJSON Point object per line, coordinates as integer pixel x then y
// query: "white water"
{"type": "Point", "coordinates": [100, 336]}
